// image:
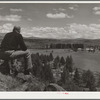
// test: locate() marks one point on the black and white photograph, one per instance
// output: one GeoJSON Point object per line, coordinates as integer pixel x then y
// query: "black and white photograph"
{"type": "Point", "coordinates": [50, 47]}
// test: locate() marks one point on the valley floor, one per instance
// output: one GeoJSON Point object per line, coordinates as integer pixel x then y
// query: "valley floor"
{"type": "Point", "coordinates": [82, 59]}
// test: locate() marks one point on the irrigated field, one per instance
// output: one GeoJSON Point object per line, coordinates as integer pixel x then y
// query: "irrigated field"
{"type": "Point", "coordinates": [81, 59]}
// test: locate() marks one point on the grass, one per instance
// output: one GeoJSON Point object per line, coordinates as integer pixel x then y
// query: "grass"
{"type": "Point", "coordinates": [81, 59]}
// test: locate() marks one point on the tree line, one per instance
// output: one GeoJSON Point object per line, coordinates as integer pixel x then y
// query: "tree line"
{"type": "Point", "coordinates": [65, 46]}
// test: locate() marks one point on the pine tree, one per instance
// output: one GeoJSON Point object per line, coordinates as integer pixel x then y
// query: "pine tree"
{"type": "Point", "coordinates": [69, 63]}
{"type": "Point", "coordinates": [65, 75]}
{"type": "Point", "coordinates": [77, 77]}
{"type": "Point", "coordinates": [67, 60]}
{"type": "Point", "coordinates": [51, 57]}
{"type": "Point", "coordinates": [44, 58]}
{"type": "Point", "coordinates": [48, 75]}
{"type": "Point", "coordinates": [48, 58]}
{"type": "Point", "coordinates": [58, 58]}
{"type": "Point", "coordinates": [56, 62]}
{"type": "Point", "coordinates": [89, 80]}
{"type": "Point", "coordinates": [62, 60]}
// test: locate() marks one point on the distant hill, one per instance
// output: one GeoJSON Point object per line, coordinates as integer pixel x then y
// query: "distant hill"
{"type": "Point", "coordinates": [31, 37]}
{"type": "Point", "coordinates": [36, 42]}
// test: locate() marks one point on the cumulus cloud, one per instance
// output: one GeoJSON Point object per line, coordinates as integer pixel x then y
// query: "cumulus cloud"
{"type": "Point", "coordinates": [58, 15]}
{"type": "Point", "coordinates": [70, 31]}
{"type": "Point", "coordinates": [59, 10]}
{"type": "Point", "coordinates": [7, 27]}
{"type": "Point", "coordinates": [73, 7]}
{"type": "Point", "coordinates": [96, 10]}
{"type": "Point", "coordinates": [85, 31]}
{"type": "Point", "coordinates": [13, 18]}
{"type": "Point", "coordinates": [62, 9]}
{"type": "Point", "coordinates": [15, 10]}
{"type": "Point", "coordinates": [29, 19]}
{"type": "Point", "coordinates": [45, 32]}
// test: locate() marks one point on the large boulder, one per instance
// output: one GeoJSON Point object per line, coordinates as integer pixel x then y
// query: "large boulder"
{"type": "Point", "coordinates": [53, 87]}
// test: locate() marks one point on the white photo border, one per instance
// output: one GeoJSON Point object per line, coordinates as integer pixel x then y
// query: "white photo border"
{"type": "Point", "coordinates": [50, 95]}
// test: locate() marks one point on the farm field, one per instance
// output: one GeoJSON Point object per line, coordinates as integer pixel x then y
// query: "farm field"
{"type": "Point", "coordinates": [82, 59]}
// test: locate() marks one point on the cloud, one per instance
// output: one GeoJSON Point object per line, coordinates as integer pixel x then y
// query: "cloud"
{"type": "Point", "coordinates": [62, 9]}
{"type": "Point", "coordinates": [59, 10]}
{"type": "Point", "coordinates": [13, 18]}
{"type": "Point", "coordinates": [29, 19]}
{"type": "Point", "coordinates": [58, 15]}
{"type": "Point", "coordinates": [97, 12]}
{"type": "Point", "coordinates": [73, 7]}
{"type": "Point", "coordinates": [7, 27]}
{"type": "Point", "coordinates": [44, 32]}
{"type": "Point", "coordinates": [15, 10]}
{"type": "Point", "coordinates": [96, 8]}
{"type": "Point", "coordinates": [85, 31]}
{"type": "Point", "coordinates": [70, 31]}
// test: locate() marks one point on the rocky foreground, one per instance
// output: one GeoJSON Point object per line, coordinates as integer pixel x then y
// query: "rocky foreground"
{"type": "Point", "coordinates": [20, 83]}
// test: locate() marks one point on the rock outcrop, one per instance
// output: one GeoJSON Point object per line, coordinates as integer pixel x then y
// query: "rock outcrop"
{"type": "Point", "coordinates": [20, 83]}
{"type": "Point", "coordinates": [13, 79]}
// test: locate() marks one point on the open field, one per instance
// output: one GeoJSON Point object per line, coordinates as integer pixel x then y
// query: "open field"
{"type": "Point", "coordinates": [81, 59]}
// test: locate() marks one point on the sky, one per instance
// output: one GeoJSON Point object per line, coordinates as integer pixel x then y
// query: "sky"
{"type": "Point", "coordinates": [55, 20]}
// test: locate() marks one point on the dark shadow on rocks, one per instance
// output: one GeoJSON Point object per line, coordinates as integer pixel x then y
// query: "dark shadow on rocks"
{"type": "Point", "coordinates": [5, 68]}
